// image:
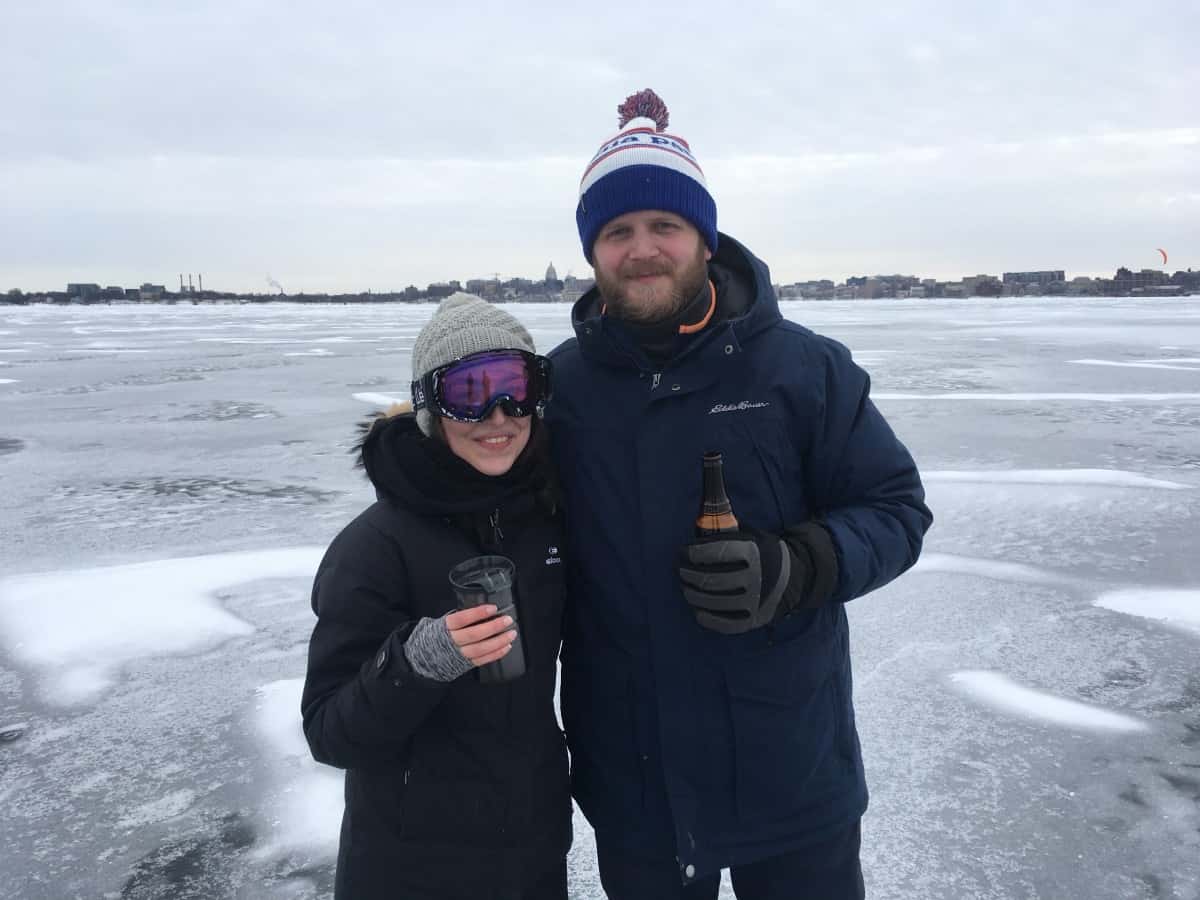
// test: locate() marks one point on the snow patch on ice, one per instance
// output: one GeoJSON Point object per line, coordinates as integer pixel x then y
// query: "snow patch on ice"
{"type": "Point", "coordinates": [1143, 364]}
{"type": "Point", "coordinates": [8, 380]}
{"type": "Point", "coordinates": [167, 807]}
{"type": "Point", "coordinates": [1080, 397]}
{"type": "Point", "coordinates": [1008, 696]}
{"type": "Point", "coordinates": [383, 401]}
{"type": "Point", "coordinates": [1106, 477]}
{"type": "Point", "coordinates": [995, 570]}
{"type": "Point", "coordinates": [92, 350]}
{"type": "Point", "coordinates": [1180, 608]}
{"type": "Point", "coordinates": [307, 813]}
{"type": "Point", "coordinates": [79, 626]}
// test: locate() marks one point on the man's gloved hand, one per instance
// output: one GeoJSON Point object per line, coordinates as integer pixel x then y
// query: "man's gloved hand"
{"type": "Point", "coordinates": [746, 579]}
{"type": "Point", "coordinates": [734, 582]}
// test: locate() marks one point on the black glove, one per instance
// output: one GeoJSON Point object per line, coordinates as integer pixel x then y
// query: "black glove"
{"type": "Point", "coordinates": [734, 582]}
{"type": "Point", "coordinates": [746, 579]}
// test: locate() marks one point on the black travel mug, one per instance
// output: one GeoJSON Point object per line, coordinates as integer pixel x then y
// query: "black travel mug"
{"type": "Point", "coordinates": [492, 579]}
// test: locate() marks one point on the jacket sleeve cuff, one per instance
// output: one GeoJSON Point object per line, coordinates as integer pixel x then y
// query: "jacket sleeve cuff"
{"type": "Point", "coordinates": [389, 668]}
{"type": "Point", "coordinates": [813, 544]}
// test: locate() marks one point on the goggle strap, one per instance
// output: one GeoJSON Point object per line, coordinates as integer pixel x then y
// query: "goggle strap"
{"type": "Point", "coordinates": [418, 395]}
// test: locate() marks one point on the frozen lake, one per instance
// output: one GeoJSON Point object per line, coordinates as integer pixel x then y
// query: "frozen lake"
{"type": "Point", "coordinates": [1028, 697]}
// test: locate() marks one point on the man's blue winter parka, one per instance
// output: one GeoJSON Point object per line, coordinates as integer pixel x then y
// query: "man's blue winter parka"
{"type": "Point", "coordinates": [717, 749]}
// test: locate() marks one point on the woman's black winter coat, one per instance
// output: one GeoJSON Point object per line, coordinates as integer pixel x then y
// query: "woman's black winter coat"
{"type": "Point", "coordinates": [452, 790]}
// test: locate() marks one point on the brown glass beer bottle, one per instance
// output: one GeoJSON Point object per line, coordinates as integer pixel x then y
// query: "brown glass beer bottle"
{"type": "Point", "coordinates": [716, 513]}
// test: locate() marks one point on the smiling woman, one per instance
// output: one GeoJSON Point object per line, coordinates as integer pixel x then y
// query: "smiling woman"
{"type": "Point", "coordinates": [439, 752]}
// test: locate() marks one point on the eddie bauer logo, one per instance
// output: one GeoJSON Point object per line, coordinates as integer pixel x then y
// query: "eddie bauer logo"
{"type": "Point", "coordinates": [553, 559]}
{"type": "Point", "coordinates": [737, 407]}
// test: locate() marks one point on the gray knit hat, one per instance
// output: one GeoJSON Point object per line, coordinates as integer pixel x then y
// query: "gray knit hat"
{"type": "Point", "coordinates": [463, 324]}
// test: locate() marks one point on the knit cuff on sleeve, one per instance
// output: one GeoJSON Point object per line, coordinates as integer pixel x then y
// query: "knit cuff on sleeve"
{"type": "Point", "coordinates": [432, 653]}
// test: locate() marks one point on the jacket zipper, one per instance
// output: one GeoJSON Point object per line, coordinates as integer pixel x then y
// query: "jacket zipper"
{"type": "Point", "coordinates": [497, 534]}
{"type": "Point", "coordinates": [657, 378]}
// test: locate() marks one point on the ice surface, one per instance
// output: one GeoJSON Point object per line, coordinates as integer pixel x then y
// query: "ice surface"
{"type": "Point", "coordinates": [1100, 477]}
{"type": "Point", "coordinates": [8, 380]}
{"type": "Point", "coordinates": [166, 807]}
{"type": "Point", "coordinates": [1006, 695]}
{"type": "Point", "coordinates": [1143, 364]}
{"type": "Point", "coordinates": [987, 568]}
{"type": "Point", "coordinates": [78, 626]}
{"type": "Point", "coordinates": [184, 774]}
{"type": "Point", "coordinates": [93, 349]}
{"type": "Point", "coordinates": [1174, 607]}
{"type": "Point", "coordinates": [1044, 395]}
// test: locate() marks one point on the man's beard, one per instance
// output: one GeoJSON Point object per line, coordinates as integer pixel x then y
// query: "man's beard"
{"type": "Point", "coordinates": [649, 304]}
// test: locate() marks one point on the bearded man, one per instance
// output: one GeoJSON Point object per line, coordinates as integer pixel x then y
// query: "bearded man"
{"type": "Point", "coordinates": [706, 692]}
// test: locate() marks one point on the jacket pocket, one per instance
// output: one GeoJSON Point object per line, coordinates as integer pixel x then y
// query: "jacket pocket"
{"type": "Point", "coordinates": [375, 800]}
{"type": "Point", "coordinates": [786, 716]}
{"type": "Point", "coordinates": [763, 472]}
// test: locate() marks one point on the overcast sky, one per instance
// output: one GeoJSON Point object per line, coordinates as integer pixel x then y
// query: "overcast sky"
{"type": "Point", "coordinates": [350, 146]}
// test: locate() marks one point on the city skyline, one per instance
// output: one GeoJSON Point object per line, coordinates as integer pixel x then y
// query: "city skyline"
{"type": "Point", "coordinates": [386, 146]}
{"type": "Point", "coordinates": [1124, 282]}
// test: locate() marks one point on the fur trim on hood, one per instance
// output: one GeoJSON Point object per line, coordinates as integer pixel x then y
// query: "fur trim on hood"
{"type": "Point", "coordinates": [375, 419]}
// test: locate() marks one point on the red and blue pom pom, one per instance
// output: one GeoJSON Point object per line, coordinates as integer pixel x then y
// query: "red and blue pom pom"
{"type": "Point", "coordinates": [644, 105]}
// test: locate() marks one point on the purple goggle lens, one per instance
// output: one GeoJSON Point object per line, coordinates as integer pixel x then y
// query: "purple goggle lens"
{"type": "Point", "coordinates": [471, 385]}
{"type": "Point", "coordinates": [470, 388]}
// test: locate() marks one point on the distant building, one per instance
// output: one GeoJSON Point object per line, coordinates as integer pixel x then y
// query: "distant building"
{"type": "Point", "coordinates": [487, 288]}
{"type": "Point", "coordinates": [807, 290]}
{"type": "Point", "coordinates": [440, 289]}
{"type": "Point", "coordinates": [551, 275]}
{"type": "Point", "coordinates": [1148, 278]}
{"type": "Point", "coordinates": [151, 292]}
{"type": "Point", "coordinates": [582, 285]}
{"type": "Point", "coordinates": [1128, 282]}
{"type": "Point", "coordinates": [1082, 286]}
{"type": "Point", "coordinates": [83, 292]}
{"type": "Point", "coordinates": [1039, 279]}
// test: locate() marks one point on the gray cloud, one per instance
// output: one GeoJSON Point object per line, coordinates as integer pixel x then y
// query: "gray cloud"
{"type": "Point", "coordinates": [360, 147]}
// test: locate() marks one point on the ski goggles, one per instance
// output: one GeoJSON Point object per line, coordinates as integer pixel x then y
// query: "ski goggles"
{"type": "Point", "coordinates": [468, 389]}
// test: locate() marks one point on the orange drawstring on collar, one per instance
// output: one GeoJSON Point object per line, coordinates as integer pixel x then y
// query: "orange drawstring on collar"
{"type": "Point", "coordinates": [699, 326]}
{"type": "Point", "coordinates": [712, 307]}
